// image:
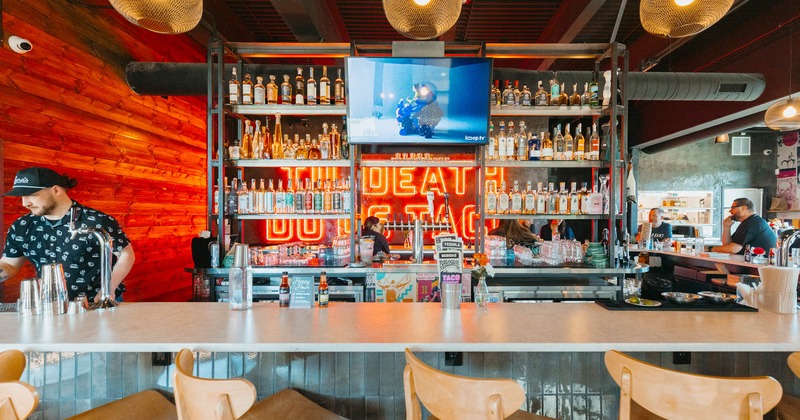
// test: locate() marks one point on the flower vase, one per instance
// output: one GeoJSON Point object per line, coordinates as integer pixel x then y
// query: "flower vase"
{"type": "Point", "coordinates": [481, 293]}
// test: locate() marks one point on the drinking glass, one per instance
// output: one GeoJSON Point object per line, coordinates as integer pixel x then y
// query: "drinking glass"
{"type": "Point", "coordinates": [796, 257]}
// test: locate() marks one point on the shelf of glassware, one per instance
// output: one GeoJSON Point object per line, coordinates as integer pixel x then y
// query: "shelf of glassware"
{"type": "Point", "coordinates": [547, 216]}
{"type": "Point", "coordinates": [283, 163]}
{"type": "Point", "coordinates": [290, 216]}
{"type": "Point", "coordinates": [289, 109]}
{"type": "Point", "coordinates": [545, 164]}
{"type": "Point", "coordinates": [433, 163]}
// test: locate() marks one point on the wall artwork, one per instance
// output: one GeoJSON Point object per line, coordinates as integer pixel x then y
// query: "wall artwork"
{"type": "Point", "coordinates": [788, 170]}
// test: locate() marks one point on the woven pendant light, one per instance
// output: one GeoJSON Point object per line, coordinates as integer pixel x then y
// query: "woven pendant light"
{"type": "Point", "coordinates": [680, 18]}
{"type": "Point", "coordinates": [422, 19]}
{"type": "Point", "coordinates": [162, 16]}
{"type": "Point", "coordinates": [784, 115]}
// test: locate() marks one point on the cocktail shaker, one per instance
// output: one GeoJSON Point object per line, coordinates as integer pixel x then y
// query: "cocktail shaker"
{"type": "Point", "coordinates": [53, 290]}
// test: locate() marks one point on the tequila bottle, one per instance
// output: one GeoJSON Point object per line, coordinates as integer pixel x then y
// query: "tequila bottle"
{"type": "Point", "coordinates": [585, 98]}
{"type": "Point", "coordinates": [574, 199]}
{"type": "Point", "coordinates": [575, 99]}
{"type": "Point", "coordinates": [246, 142]}
{"type": "Point", "coordinates": [559, 143]}
{"type": "Point", "coordinates": [327, 198]}
{"type": "Point", "coordinates": [501, 141]}
{"type": "Point", "coordinates": [555, 91]}
{"type": "Point", "coordinates": [527, 96]}
{"type": "Point", "coordinates": [289, 149]}
{"type": "Point", "coordinates": [269, 199]}
{"type": "Point", "coordinates": [260, 198]}
{"type": "Point", "coordinates": [580, 144]}
{"type": "Point", "coordinates": [530, 199]}
{"type": "Point", "coordinates": [547, 146]}
{"type": "Point", "coordinates": [324, 87]}
{"type": "Point", "coordinates": [257, 142]}
{"type": "Point", "coordinates": [272, 90]}
{"type": "Point", "coordinates": [516, 199]}
{"type": "Point", "coordinates": [585, 199]}
{"type": "Point", "coordinates": [569, 146]}
{"type": "Point", "coordinates": [491, 147]}
{"type": "Point", "coordinates": [266, 139]}
{"type": "Point", "coordinates": [251, 196]}
{"type": "Point", "coordinates": [280, 198]}
{"type": "Point", "coordinates": [594, 144]}
{"type": "Point", "coordinates": [259, 92]}
{"type": "Point", "coordinates": [540, 97]}
{"type": "Point", "coordinates": [347, 197]}
{"type": "Point", "coordinates": [286, 90]}
{"type": "Point", "coordinates": [345, 146]}
{"type": "Point", "coordinates": [308, 200]}
{"type": "Point", "coordinates": [318, 198]}
{"type": "Point", "coordinates": [243, 198]}
{"type": "Point", "coordinates": [517, 93]}
{"type": "Point", "coordinates": [338, 88]}
{"type": "Point", "coordinates": [325, 147]}
{"type": "Point", "coordinates": [336, 197]}
{"type": "Point", "coordinates": [552, 198]}
{"type": "Point", "coordinates": [594, 98]}
{"type": "Point", "coordinates": [232, 198]}
{"type": "Point", "coordinates": [534, 147]}
{"type": "Point", "coordinates": [563, 99]}
{"type": "Point", "coordinates": [299, 88]}
{"type": "Point", "coordinates": [311, 88]}
{"type": "Point", "coordinates": [499, 98]}
{"type": "Point", "coordinates": [491, 198]}
{"type": "Point", "coordinates": [233, 89]}
{"type": "Point", "coordinates": [302, 149]}
{"type": "Point", "coordinates": [522, 142]}
{"type": "Point", "coordinates": [541, 199]}
{"type": "Point", "coordinates": [508, 94]}
{"type": "Point", "coordinates": [299, 198]}
{"type": "Point", "coordinates": [247, 90]}
{"type": "Point", "coordinates": [563, 199]}
{"type": "Point", "coordinates": [511, 145]}
{"type": "Point", "coordinates": [313, 152]}
{"type": "Point", "coordinates": [503, 199]}
{"type": "Point", "coordinates": [289, 200]}
{"type": "Point", "coordinates": [336, 141]}
{"type": "Point", "coordinates": [494, 93]}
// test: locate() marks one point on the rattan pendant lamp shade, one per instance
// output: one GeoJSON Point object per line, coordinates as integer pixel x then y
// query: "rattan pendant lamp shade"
{"type": "Point", "coordinates": [162, 16]}
{"type": "Point", "coordinates": [680, 18]}
{"type": "Point", "coordinates": [422, 19]}
{"type": "Point", "coordinates": [784, 115]}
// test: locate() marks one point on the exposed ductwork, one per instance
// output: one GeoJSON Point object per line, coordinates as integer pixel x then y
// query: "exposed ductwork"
{"type": "Point", "coordinates": [653, 86]}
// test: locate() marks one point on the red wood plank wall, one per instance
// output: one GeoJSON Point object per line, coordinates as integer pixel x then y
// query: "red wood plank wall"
{"type": "Point", "coordinates": [66, 105]}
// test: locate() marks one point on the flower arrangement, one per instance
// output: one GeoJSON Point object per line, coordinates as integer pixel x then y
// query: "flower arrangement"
{"type": "Point", "coordinates": [482, 267]}
{"type": "Point", "coordinates": [758, 251]}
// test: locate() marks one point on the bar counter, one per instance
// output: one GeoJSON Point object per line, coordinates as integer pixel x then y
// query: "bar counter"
{"type": "Point", "coordinates": [375, 327]}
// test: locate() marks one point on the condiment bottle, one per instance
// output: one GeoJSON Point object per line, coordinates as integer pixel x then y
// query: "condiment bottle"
{"type": "Point", "coordinates": [283, 291]}
{"type": "Point", "coordinates": [323, 290]}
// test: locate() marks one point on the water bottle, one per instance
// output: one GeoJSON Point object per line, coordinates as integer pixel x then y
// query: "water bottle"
{"type": "Point", "coordinates": [240, 280]}
{"type": "Point", "coordinates": [699, 245]}
{"type": "Point", "coordinates": [214, 250]}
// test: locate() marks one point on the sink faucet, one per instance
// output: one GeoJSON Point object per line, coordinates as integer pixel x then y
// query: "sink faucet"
{"type": "Point", "coordinates": [786, 240]}
{"type": "Point", "coordinates": [105, 240]}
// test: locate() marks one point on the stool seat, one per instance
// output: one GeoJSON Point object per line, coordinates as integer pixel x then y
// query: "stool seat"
{"type": "Point", "coordinates": [149, 404]}
{"type": "Point", "coordinates": [288, 404]}
{"type": "Point", "coordinates": [517, 415]}
{"type": "Point", "coordinates": [17, 399]}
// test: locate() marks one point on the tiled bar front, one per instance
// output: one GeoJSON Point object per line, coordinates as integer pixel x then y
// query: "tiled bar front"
{"type": "Point", "coordinates": [369, 385]}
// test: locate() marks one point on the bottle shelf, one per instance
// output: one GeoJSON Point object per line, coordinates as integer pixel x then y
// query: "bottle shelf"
{"type": "Point", "coordinates": [290, 216]}
{"type": "Point", "coordinates": [546, 216]}
{"type": "Point", "coordinates": [333, 110]}
{"type": "Point", "coordinates": [417, 163]}
{"type": "Point", "coordinates": [293, 163]}
{"type": "Point", "coordinates": [545, 163]}
{"type": "Point", "coordinates": [545, 111]}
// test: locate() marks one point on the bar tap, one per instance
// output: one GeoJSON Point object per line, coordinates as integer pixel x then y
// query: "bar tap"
{"type": "Point", "coordinates": [446, 206]}
{"type": "Point", "coordinates": [417, 242]}
{"type": "Point", "coordinates": [105, 241]}
{"type": "Point", "coordinates": [785, 241]}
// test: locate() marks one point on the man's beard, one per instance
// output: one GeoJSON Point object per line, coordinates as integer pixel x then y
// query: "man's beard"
{"type": "Point", "coordinates": [43, 210]}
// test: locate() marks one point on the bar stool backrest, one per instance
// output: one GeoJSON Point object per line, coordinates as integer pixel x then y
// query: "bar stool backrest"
{"type": "Point", "coordinates": [679, 395]}
{"type": "Point", "coordinates": [449, 396]}
{"type": "Point", "coordinates": [17, 399]}
{"type": "Point", "coordinates": [200, 398]}
{"type": "Point", "coordinates": [794, 363]}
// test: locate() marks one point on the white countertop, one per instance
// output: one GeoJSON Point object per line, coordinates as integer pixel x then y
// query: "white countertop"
{"type": "Point", "coordinates": [386, 327]}
{"type": "Point", "coordinates": [732, 259]}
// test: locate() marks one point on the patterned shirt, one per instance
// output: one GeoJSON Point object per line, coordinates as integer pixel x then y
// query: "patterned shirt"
{"type": "Point", "coordinates": [44, 241]}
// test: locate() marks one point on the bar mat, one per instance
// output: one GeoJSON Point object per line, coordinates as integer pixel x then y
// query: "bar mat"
{"type": "Point", "coordinates": [615, 305]}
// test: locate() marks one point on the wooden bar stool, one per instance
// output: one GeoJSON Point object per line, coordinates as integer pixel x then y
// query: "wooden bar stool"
{"type": "Point", "coordinates": [17, 399]}
{"type": "Point", "coordinates": [678, 395]}
{"type": "Point", "coordinates": [789, 407]}
{"type": "Point", "coordinates": [228, 399]}
{"type": "Point", "coordinates": [449, 396]}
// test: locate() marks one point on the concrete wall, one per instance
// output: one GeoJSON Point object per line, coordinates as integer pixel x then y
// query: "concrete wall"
{"type": "Point", "coordinates": [704, 165]}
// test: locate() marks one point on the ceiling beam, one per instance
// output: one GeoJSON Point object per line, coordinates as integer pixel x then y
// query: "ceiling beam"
{"type": "Point", "coordinates": [227, 23]}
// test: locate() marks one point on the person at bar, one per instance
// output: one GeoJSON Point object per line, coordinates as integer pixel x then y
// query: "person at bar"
{"type": "Point", "coordinates": [516, 232]}
{"type": "Point", "coordinates": [556, 229]}
{"type": "Point", "coordinates": [373, 228]}
{"type": "Point", "coordinates": [43, 237]}
{"type": "Point", "coordinates": [661, 231]}
{"type": "Point", "coordinates": [753, 230]}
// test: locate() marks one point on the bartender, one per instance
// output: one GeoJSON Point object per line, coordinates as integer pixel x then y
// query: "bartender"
{"type": "Point", "coordinates": [43, 237]}
{"type": "Point", "coordinates": [753, 230]}
{"type": "Point", "coordinates": [373, 228]}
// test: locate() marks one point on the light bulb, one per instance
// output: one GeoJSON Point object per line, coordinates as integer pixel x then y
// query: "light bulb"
{"type": "Point", "coordinates": [425, 2]}
{"type": "Point", "coordinates": [683, 2]}
{"type": "Point", "coordinates": [790, 111]}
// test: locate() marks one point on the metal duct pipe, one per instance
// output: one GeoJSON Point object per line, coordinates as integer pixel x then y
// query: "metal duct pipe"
{"type": "Point", "coordinates": [190, 79]}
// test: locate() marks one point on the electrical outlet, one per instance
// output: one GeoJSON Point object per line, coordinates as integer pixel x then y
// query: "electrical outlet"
{"type": "Point", "coordinates": [453, 358]}
{"type": "Point", "coordinates": [162, 359]}
{"type": "Point", "coordinates": [681, 358]}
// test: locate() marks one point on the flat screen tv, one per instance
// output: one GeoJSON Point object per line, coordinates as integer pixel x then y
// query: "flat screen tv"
{"type": "Point", "coordinates": [418, 100]}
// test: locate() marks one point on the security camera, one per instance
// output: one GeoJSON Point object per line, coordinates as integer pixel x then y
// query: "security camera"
{"type": "Point", "coordinates": [19, 45]}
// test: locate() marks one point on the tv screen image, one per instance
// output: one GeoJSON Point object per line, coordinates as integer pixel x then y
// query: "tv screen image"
{"type": "Point", "coordinates": [418, 100]}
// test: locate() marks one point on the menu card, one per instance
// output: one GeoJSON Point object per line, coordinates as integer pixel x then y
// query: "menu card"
{"type": "Point", "coordinates": [301, 295]}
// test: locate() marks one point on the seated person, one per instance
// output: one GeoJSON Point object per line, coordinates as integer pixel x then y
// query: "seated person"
{"type": "Point", "coordinates": [516, 232]}
{"type": "Point", "coordinates": [555, 230]}
{"type": "Point", "coordinates": [753, 230]}
{"type": "Point", "coordinates": [373, 228]}
{"type": "Point", "coordinates": [662, 231]}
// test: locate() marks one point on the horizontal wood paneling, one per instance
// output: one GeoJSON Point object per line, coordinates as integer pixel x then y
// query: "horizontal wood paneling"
{"type": "Point", "coordinates": [142, 159]}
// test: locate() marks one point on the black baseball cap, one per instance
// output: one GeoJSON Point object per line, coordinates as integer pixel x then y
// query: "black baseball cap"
{"type": "Point", "coordinates": [31, 180]}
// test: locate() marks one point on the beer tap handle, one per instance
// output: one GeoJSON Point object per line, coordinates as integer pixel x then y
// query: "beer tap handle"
{"type": "Point", "coordinates": [446, 206]}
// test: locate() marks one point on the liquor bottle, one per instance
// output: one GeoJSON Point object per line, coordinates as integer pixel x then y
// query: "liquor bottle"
{"type": "Point", "coordinates": [286, 90]}
{"type": "Point", "coordinates": [516, 199]}
{"type": "Point", "coordinates": [313, 152]}
{"type": "Point", "coordinates": [289, 148]}
{"type": "Point", "coordinates": [586, 97]}
{"type": "Point", "coordinates": [225, 197]}
{"type": "Point", "coordinates": [541, 199]}
{"type": "Point", "coordinates": [517, 93]}
{"type": "Point", "coordinates": [540, 97]}
{"type": "Point", "coordinates": [748, 256]}
{"type": "Point", "coordinates": [302, 150]}
{"type": "Point", "coordinates": [269, 199]}
{"type": "Point", "coordinates": [345, 146]}
{"type": "Point", "coordinates": [594, 144]}
{"type": "Point", "coordinates": [580, 144]}
{"type": "Point", "coordinates": [232, 195]}
{"type": "Point", "coordinates": [272, 90]}
{"type": "Point", "coordinates": [491, 146]}
{"type": "Point", "coordinates": [336, 197]}
{"type": "Point", "coordinates": [308, 200]}
{"type": "Point", "coordinates": [311, 88]}
{"type": "Point", "coordinates": [283, 290]}
{"type": "Point", "coordinates": [586, 202]}
{"type": "Point", "coordinates": [266, 139]}
{"type": "Point", "coordinates": [552, 198]}
{"type": "Point", "coordinates": [511, 145]}
{"type": "Point", "coordinates": [325, 147]}
{"type": "Point", "coordinates": [259, 92]}
{"type": "Point", "coordinates": [569, 146]}
{"type": "Point", "coordinates": [327, 198]}
{"type": "Point", "coordinates": [257, 142]}
{"type": "Point", "coordinates": [563, 98]}
{"type": "Point", "coordinates": [502, 199]}
{"type": "Point", "coordinates": [559, 143]}
{"type": "Point", "coordinates": [574, 199]}
{"type": "Point", "coordinates": [555, 91]}
{"type": "Point", "coordinates": [280, 198]}
{"type": "Point", "coordinates": [216, 197]}
{"type": "Point", "coordinates": [527, 96]}
{"type": "Point", "coordinates": [323, 294]}
{"type": "Point", "coordinates": [594, 98]}
{"type": "Point", "coordinates": [534, 147]}
{"type": "Point", "coordinates": [318, 198]}
{"type": "Point", "coordinates": [575, 99]}
{"type": "Point", "coordinates": [289, 197]}
{"type": "Point", "coordinates": [501, 141]}
{"type": "Point", "coordinates": [299, 88]}
{"type": "Point", "coordinates": [547, 146]}
{"type": "Point", "coordinates": [491, 198]}
{"type": "Point", "coordinates": [336, 142]}
{"type": "Point", "coordinates": [247, 90]}
{"type": "Point", "coordinates": [324, 87]}
{"type": "Point", "coordinates": [338, 88]}
{"type": "Point", "coordinates": [522, 142]}
{"type": "Point", "coordinates": [347, 197]}
{"type": "Point", "coordinates": [530, 199]}
{"type": "Point", "coordinates": [494, 93]}
{"type": "Point", "coordinates": [563, 199]}
{"type": "Point", "coordinates": [508, 94]}
{"type": "Point", "coordinates": [251, 196]}
{"type": "Point", "coordinates": [245, 151]}
{"type": "Point", "coordinates": [233, 89]}
{"type": "Point", "coordinates": [299, 197]}
{"type": "Point", "coordinates": [242, 197]}
{"type": "Point", "coordinates": [595, 201]}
